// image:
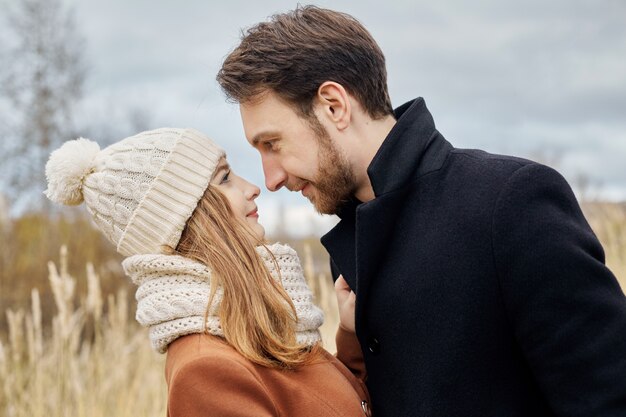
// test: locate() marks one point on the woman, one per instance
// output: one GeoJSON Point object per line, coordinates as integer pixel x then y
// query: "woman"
{"type": "Point", "coordinates": [235, 316]}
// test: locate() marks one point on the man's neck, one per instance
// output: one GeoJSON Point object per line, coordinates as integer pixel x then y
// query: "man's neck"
{"type": "Point", "coordinates": [373, 134]}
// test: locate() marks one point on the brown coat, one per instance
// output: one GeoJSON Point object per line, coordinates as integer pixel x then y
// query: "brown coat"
{"type": "Point", "coordinates": [207, 377]}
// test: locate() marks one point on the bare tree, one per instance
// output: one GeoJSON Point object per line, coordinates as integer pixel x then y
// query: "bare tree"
{"type": "Point", "coordinates": [41, 79]}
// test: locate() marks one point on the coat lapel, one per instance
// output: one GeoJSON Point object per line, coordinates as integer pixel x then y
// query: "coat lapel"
{"type": "Point", "coordinates": [374, 230]}
{"type": "Point", "coordinates": [357, 245]}
{"type": "Point", "coordinates": [341, 241]}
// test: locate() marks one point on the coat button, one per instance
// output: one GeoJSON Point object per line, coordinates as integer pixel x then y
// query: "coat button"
{"type": "Point", "coordinates": [374, 346]}
{"type": "Point", "coordinates": [365, 407]}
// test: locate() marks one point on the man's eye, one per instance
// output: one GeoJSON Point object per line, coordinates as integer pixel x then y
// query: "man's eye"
{"type": "Point", "coordinates": [269, 145]}
{"type": "Point", "coordinates": [225, 177]}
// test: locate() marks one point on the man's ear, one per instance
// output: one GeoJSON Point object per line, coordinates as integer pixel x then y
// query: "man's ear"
{"type": "Point", "coordinates": [334, 104]}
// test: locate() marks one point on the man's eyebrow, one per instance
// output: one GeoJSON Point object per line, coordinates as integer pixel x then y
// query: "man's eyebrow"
{"type": "Point", "coordinates": [262, 136]}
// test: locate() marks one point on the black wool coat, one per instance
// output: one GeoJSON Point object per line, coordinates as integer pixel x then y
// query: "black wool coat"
{"type": "Point", "coordinates": [481, 289]}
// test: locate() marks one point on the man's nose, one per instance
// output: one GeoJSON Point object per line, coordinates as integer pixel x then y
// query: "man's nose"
{"type": "Point", "coordinates": [275, 175]}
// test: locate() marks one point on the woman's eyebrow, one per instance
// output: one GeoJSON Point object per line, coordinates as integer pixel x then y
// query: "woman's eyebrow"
{"type": "Point", "coordinates": [223, 166]}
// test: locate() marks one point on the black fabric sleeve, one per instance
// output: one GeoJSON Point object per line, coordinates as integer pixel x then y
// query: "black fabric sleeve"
{"type": "Point", "coordinates": [567, 309]}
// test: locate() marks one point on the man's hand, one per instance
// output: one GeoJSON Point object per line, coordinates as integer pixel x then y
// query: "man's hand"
{"type": "Point", "coordinates": [346, 299]}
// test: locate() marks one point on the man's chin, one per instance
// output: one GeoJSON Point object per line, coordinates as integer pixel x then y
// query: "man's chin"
{"type": "Point", "coordinates": [324, 206]}
{"type": "Point", "coordinates": [326, 198]}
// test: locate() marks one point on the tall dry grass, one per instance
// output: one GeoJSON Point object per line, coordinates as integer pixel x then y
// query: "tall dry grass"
{"type": "Point", "coordinates": [608, 221]}
{"type": "Point", "coordinates": [87, 363]}
{"type": "Point", "coordinates": [95, 360]}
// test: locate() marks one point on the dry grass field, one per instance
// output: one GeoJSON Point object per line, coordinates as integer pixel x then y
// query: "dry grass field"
{"type": "Point", "coordinates": [609, 223]}
{"type": "Point", "coordinates": [80, 362]}
{"type": "Point", "coordinates": [90, 358]}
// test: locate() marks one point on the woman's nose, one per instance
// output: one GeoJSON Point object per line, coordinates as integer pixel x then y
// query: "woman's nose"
{"type": "Point", "coordinates": [252, 191]}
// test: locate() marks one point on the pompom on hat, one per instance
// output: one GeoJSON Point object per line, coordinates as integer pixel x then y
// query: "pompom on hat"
{"type": "Point", "coordinates": [141, 190]}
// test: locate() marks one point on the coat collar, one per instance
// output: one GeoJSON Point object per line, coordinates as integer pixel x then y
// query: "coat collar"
{"type": "Point", "coordinates": [411, 145]}
{"type": "Point", "coordinates": [412, 149]}
{"type": "Point", "coordinates": [402, 151]}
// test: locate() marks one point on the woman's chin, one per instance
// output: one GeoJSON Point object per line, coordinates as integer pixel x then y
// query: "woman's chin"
{"type": "Point", "coordinates": [259, 231]}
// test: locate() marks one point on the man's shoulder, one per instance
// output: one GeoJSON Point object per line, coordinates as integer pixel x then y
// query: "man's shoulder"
{"type": "Point", "coordinates": [478, 166]}
{"type": "Point", "coordinates": [485, 165]}
{"type": "Point", "coordinates": [483, 158]}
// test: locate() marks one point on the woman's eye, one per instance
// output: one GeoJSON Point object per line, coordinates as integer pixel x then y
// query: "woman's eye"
{"type": "Point", "coordinates": [225, 177]}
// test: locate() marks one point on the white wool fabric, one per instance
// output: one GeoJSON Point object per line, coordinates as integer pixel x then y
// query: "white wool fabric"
{"type": "Point", "coordinates": [141, 190]}
{"type": "Point", "coordinates": [173, 294]}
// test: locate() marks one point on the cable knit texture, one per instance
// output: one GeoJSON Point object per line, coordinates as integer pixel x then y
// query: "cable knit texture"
{"type": "Point", "coordinates": [173, 293]}
{"type": "Point", "coordinates": [141, 190]}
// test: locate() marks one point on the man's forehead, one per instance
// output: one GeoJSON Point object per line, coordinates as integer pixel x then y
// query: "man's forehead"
{"type": "Point", "coordinates": [260, 120]}
{"type": "Point", "coordinates": [264, 106]}
{"type": "Point", "coordinates": [252, 120]}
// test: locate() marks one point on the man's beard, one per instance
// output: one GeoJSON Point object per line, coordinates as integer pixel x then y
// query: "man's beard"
{"type": "Point", "coordinates": [334, 182]}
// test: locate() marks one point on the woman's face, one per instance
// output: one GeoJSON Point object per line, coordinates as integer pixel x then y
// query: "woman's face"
{"type": "Point", "coordinates": [240, 194]}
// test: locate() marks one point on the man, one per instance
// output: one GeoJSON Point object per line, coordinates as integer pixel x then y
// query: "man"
{"type": "Point", "coordinates": [480, 288]}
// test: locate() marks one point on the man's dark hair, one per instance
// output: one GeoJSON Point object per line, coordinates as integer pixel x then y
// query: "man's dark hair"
{"type": "Point", "coordinates": [294, 53]}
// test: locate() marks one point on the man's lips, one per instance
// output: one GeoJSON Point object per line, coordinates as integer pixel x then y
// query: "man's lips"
{"type": "Point", "coordinates": [305, 189]}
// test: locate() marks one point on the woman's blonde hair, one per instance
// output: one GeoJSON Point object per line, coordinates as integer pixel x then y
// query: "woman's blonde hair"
{"type": "Point", "coordinates": [257, 316]}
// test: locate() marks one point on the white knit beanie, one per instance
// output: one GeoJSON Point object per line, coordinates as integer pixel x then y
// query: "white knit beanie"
{"type": "Point", "coordinates": [141, 190]}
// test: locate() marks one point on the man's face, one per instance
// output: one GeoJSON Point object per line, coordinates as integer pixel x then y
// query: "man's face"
{"type": "Point", "coordinates": [297, 153]}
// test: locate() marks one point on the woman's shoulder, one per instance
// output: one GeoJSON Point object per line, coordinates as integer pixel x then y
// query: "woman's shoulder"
{"type": "Point", "coordinates": [200, 349]}
{"type": "Point", "coordinates": [207, 363]}
{"type": "Point", "coordinates": [205, 373]}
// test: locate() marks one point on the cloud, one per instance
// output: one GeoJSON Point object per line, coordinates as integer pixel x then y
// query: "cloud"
{"type": "Point", "coordinates": [518, 77]}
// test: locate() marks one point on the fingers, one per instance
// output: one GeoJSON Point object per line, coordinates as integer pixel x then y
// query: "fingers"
{"type": "Point", "coordinates": [341, 284]}
{"type": "Point", "coordinates": [346, 299]}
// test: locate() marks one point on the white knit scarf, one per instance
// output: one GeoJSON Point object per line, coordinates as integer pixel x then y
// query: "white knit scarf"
{"type": "Point", "coordinates": [174, 291]}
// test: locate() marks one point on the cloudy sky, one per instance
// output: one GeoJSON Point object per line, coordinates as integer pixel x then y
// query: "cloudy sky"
{"type": "Point", "coordinates": [545, 80]}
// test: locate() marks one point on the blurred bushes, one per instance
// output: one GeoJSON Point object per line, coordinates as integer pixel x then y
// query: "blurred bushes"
{"type": "Point", "coordinates": [32, 240]}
